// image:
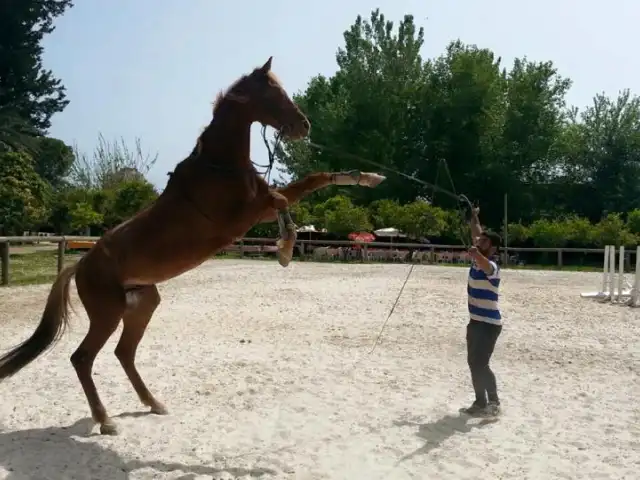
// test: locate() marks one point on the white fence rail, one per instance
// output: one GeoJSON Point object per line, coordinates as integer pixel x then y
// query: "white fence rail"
{"type": "Point", "coordinates": [362, 251]}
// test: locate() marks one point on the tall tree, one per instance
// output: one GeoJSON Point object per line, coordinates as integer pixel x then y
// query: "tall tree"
{"type": "Point", "coordinates": [365, 108]}
{"type": "Point", "coordinates": [53, 159]}
{"type": "Point", "coordinates": [468, 124]}
{"type": "Point", "coordinates": [601, 156]}
{"type": "Point", "coordinates": [28, 91]}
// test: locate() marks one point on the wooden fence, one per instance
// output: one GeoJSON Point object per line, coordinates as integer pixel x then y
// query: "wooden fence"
{"type": "Point", "coordinates": [254, 245]}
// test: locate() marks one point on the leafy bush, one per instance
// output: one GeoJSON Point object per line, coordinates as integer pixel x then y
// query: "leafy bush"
{"type": "Point", "coordinates": [547, 233]}
{"type": "Point", "coordinates": [579, 230]}
{"type": "Point", "coordinates": [127, 199]}
{"type": "Point", "coordinates": [612, 230]}
{"type": "Point", "coordinates": [301, 214]}
{"type": "Point", "coordinates": [24, 196]}
{"type": "Point", "coordinates": [518, 233]}
{"type": "Point", "coordinates": [420, 219]}
{"type": "Point", "coordinates": [633, 222]}
{"type": "Point", "coordinates": [385, 213]}
{"type": "Point", "coordinates": [338, 215]}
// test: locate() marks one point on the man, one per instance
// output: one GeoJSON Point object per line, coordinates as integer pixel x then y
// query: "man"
{"type": "Point", "coordinates": [485, 322]}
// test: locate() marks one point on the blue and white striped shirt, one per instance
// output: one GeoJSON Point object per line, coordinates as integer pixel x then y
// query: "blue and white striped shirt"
{"type": "Point", "coordinates": [483, 293]}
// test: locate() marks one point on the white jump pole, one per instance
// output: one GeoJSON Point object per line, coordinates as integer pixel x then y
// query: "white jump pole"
{"type": "Point", "coordinates": [620, 273]}
{"type": "Point", "coordinates": [605, 269]}
{"type": "Point", "coordinates": [635, 291]}
{"type": "Point", "coordinates": [612, 270]}
{"type": "Point", "coordinates": [608, 272]}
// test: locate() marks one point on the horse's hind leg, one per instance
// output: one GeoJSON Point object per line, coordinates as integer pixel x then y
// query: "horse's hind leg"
{"type": "Point", "coordinates": [141, 304]}
{"type": "Point", "coordinates": [105, 304]}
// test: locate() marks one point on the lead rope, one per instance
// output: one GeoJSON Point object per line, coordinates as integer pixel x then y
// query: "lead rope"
{"type": "Point", "coordinates": [459, 198]}
{"type": "Point", "coordinates": [392, 309]}
{"type": "Point", "coordinates": [463, 199]}
{"type": "Point", "coordinates": [272, 153]}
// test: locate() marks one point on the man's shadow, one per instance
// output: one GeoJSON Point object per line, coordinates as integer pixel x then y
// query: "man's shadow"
{"type": "Point", "coordinates": [435, 433]}
{"type": "Point", "coordinates": [55, 454]}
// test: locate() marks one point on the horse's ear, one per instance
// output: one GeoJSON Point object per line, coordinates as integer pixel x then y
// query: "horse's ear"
{"type": "Point", "coordinates": [266, 68]}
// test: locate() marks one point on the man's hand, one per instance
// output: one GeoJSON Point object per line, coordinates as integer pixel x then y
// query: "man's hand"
{"type": "Point", "coordinates": [474, 223]}
{"type": "Point", "coordinates": [474, 252]}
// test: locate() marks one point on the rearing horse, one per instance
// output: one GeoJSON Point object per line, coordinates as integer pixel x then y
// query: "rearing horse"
{"type": "Point", "coordinates": [213, 197]}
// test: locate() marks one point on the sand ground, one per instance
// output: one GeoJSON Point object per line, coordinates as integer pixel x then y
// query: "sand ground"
{"type": "Point", "coordinates": [266, 375]}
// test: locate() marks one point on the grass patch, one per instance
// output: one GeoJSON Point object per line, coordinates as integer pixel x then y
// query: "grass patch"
{"type": "Point", "coordinates": [37, 267]}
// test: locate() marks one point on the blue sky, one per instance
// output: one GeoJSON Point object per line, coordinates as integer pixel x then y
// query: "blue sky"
{"type": "Point", "coordinates": [151, 68]}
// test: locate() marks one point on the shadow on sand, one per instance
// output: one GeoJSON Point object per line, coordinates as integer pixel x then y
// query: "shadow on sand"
{"type": "Point", "coordinates": [58, 453]}
{"type": "Point", "coordinates": [435, 433]}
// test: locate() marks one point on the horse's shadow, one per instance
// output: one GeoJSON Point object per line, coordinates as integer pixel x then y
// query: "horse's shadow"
{"type": "Point", "coordinates": [58, 453]}
{"type": "Point", "coordinates": [435, 433]}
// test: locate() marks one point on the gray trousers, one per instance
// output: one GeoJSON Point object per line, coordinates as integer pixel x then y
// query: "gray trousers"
{"type": "Point", "coordinates": [481, 340]}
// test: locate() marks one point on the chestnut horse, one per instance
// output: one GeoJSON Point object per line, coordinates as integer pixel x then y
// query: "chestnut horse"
{"type": "Point", "coordinates": [213, 197]}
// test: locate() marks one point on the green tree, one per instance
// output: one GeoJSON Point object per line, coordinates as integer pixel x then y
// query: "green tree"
{"type": "Point", "coordinates": [579, 230]}
{"type": "Point", "coordinates": [53, 160]}
{"type": "Point", "coordinates": [547, 233]}
{"type": "Point", "coordinates": [417, 219]}
{"type": "Point", "coordinates": [385, 213]}
{"type": "Point", "coordinates": [461, 121]}
{"type": "Point", "coordinates": [633, 222]}
{"type": "Point", "coordinates": [611, 230]}
{"type": "Point", "coordinates": [420, 219]}
{"type": "Point", "coordinates": [66, 217]}
{"type": "Point", "coordinates": [16, 133]}
{"type": "Point", "coordinates": [23, 194]}
{"type": "Point", "coordinates": [27, 90]}
{"type": "Point", "coordinates": [364, 108]}
{"type": "Point", "coordinates": [83, 216]}
{"type": "Point", "coordinates": [517, 233]}
{"type": "Point", "coordinates": [601, 156]}
{"type": "Point", "coordinates": [301, 213]}
{"type": "Point", "coordinates": [127, 199]}
{"type": "Point", "coordinates": [338, 215]}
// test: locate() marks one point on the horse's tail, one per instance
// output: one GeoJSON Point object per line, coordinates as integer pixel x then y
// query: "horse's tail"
{"type": "Point", "coordinates": [52, 325]}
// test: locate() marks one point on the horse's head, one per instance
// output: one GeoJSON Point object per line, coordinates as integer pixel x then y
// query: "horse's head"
{"type": "Point", "coordinates": [268, 103]}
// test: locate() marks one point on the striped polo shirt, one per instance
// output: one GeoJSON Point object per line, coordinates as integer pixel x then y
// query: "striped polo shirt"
{"type": "Point", "coordinates": [483, 294]}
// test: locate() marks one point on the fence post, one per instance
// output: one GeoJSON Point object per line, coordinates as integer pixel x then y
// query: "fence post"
{"type": "Point", "coordinates": [242, 248]}
{"type": "Point", "coordinates": [62, 246]}
{"type": "Point", "coordinates": [560, 258]}
{"type": "Point", "coordinates": [4, 250]}
{"type": "Point", "coordinates": [365, 253]}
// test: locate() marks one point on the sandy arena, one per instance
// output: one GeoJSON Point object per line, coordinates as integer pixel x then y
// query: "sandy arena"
{"type": "Point", "coordinates": [256, 365]}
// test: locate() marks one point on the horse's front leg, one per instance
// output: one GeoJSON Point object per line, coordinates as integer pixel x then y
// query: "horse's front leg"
{"type": "Point", "coordinates": [296, 191]}
{"type": "Point", "coordinates": [288, 235]}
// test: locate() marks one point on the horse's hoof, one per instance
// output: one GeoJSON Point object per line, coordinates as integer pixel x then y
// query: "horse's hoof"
{"type": "Point", "coordinates": [371, 180]}
{"type": "Point", "coordinates": [283, 259]}
{"type": "Point", "coordinates": [108, 428]}
{"type": "Point", "coordinates": [159, 409]}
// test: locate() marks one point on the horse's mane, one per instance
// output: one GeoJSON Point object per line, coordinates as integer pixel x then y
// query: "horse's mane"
{"type": "Point", "coordinates": [224, 94]}
{"type": "Point", "coordinates": [228, 92]}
